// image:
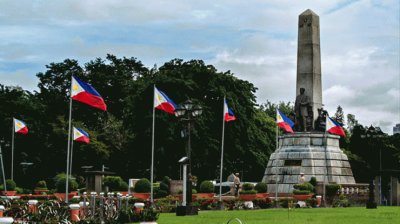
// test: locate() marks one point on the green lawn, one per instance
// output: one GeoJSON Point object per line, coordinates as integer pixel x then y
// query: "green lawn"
{"type": "Point", "coordinates": [353, 215]}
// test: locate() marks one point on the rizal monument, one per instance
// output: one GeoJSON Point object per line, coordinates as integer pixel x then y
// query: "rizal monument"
{"type": "Point", "coordinates": [309, 151]}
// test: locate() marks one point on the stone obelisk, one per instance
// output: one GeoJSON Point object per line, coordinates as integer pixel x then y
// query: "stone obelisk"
{"type": "Point", "coordinates": [307, 153]}
{"type": "Point", "coordinates": [309, 60]}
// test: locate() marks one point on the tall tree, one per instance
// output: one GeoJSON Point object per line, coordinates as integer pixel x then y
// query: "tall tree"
{"type": "Point", "coordinates": [339, 116]}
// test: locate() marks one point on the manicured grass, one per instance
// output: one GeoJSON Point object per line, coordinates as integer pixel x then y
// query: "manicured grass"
{"type": "Point", "coordinates": [354, 215]}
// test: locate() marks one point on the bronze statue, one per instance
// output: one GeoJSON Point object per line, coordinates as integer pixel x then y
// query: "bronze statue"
{"type": "Point", "coordinates": [320, 123]}
{"type": "Point", "coordinates": [301, 107]}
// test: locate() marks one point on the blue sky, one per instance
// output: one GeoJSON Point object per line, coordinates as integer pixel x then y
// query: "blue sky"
{"type": "Point", "coordinates": [255, 39]}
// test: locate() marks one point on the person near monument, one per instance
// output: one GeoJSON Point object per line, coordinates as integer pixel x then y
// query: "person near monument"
{"type": "Point", "coordinates": [301, 109]}
{"type": "Point", "coordinates": [236, 183]}
{"type": "Point", "coordinates": [302, 179]}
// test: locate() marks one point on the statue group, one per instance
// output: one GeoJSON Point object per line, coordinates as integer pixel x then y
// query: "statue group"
{"type": "Point", "coordinates": [304, 119]}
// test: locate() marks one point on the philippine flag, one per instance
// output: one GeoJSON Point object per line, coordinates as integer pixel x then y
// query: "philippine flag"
{"type": "Point", "coordinates": [162, 102]}
{"type": "Point", "coordinates": [85, 93]}
{"type": "Point", "coordinates": [228, 113]}
{"type": "Point", "coordinates": [334, 128]}
{"type": "Point", "coordinates": [283, 122]}
{"type": "Point", "coordinates": [81, 136]}
{"type": "Point", "coordinates": [20, 127]}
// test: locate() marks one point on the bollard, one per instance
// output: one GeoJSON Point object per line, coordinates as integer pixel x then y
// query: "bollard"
{"type": "Point", "coordinates": [318, 200]}
{"type": "Point", "coordinates": [93, 202]}
{"type": "Point", "coordinates": [127, 201]}
{"type": "Point", "coordinates": [138, 207]}
{"type": "Point", "coordinates": [101, 206]}
{"type": "Point", "coordinates": [74, 212]}
{"type": "Point", "coordinates": [32, 207]}
{"type": "Point", "coordinates": [82, 209]}
{"type": "Point", "coordinates": [85, 204]}
{"type": "Point", "coordinates": [1, 210]}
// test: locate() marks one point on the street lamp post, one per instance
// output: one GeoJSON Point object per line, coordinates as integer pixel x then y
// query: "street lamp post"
{"type": "Point", "coordinates": [187, 112]}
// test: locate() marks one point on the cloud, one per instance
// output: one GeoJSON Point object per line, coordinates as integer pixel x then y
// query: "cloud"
{"type": "Point", "coordinates": [256, 40]}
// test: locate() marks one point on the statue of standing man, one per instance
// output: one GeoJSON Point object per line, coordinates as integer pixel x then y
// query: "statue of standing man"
{"type": "Point", "coordinates": [301, 109]}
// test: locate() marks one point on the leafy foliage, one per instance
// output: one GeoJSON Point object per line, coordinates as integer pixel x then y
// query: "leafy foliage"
{"type": "Point", "coordinates": [143, 186]}
{"type": "Point", "coordinates": [11, 185]}
{"type": "Point", "coordinates": [206, 187]}
{"type": "Point", "coordinates": [60, 181]}
{"type": "Point", "coordinates": [115, 183]}
{"type": "Point", "coordinates": [261, 187]}
{"type": "Point", "coordinates": [121, 137]}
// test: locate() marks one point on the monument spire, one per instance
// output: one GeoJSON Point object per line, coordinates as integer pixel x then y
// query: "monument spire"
{"type": "Point", "coordinates": [309, 61]}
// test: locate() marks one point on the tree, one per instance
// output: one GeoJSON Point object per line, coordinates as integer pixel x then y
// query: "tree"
{"type": "Point", "coordinates": [339, 116]}
{"type": "Point", "coordinates": [351, 122]}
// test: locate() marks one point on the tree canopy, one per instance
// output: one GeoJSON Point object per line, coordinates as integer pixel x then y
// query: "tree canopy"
{"type": "Point", "coordinates": [121, 137]}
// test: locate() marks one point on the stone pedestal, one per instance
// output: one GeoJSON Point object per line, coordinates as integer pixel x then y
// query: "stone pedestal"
{"type": "Point", "coordinates": [314, 154]}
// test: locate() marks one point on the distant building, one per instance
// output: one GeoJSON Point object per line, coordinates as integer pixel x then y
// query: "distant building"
{"type": "Point", "coordinates": [396, 129]}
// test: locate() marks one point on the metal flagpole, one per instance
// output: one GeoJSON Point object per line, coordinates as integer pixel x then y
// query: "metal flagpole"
{"type": "Point", "coordinates": [326, 164]}
{"type": "Point", "coordinates": [72, 150]}
{"type": "Point", "coordinates": [69, 141]}
{"type": "Point", "coordinates": [2, 169]}
{"type": "Point", "coordinates": [222, 151]}
{"type": "Point", "coordinates": [276, 174]}
{"type": "Point", "coordinates": [12, 150]}
{"type": "Point", "coordinates": [152, 151]}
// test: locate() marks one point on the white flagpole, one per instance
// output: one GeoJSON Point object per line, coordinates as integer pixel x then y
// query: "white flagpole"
{"type": "Point", "coordinates": [326, 164]}
{"type": "Point", "coordinates": [222, 151]}
{"type": "Point", "coordinates": [152, 151]}
{"type": "Point", "coordinates": [12, 150]}
{"type": "Point", "coordinates": [2, 169]}
{"type": "Point", "coordinates": [69, 141]}
{"type": "Point", "coordinates": [276, 147]}
{"type": "Point", "coordinates": [72, 150]}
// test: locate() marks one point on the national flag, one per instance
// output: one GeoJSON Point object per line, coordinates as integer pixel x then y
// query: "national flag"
{"type": "Point", "coordinates": [228, 113]}
{"type": "Point", "coordinates": [333, 127]}
{"type": "Point", "coordinates": [20, 127]}
{"type": "Point", "coordinates": [284, 122]}
{"type": "Point", "coordinates": [163, 102]}
{"type": "Point", "coordinates": [85, 93]}
{"type": "Point", "coordinates": [80, 135]}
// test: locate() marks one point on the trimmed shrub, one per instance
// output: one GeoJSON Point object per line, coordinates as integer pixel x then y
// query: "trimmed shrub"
{"type": "Point", "coordinates": [248, 192]}
{"type": "Point", "coordinates": [304, 187]}
{"type": "Point", "coordinates": [313, 181]}
{"type": "Point", "coordinates": [41, 185]}
{"type": "Point", "coordinates": [161, 194]}
{"type": "Point", "coordinates": [247, 187]}
{"type": "Point", "coordinates": [11, 185]}
{"type": "Point", "coordinates": [206, 187]}
{"type": "Point", "coordinates": [301, 192]}
{"type": "Point", "coordinates": [332, 189]}
{"type": "Point", "coordinates": [115, 183]}
{"type": "Point", "coordinates": [143, 186]}
{"type": "Point", "coordinates": [261, 187]}
{"type": "Point", "coordinates": [60, 180]}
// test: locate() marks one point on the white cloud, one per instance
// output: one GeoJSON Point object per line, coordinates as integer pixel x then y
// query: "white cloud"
{"type": "Point", "coordinates": [254, 39]}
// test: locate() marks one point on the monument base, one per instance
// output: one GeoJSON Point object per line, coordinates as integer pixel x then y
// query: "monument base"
{"type": "Point", "coordinates": [313, 154]}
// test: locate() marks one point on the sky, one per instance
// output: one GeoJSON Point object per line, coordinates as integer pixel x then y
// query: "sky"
{"type": "Point", "coordinates": [254, 39]}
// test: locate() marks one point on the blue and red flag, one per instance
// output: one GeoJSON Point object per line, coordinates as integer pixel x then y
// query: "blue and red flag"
{"type": "Point", "coordinates": [81, 135]}
{"type": "Point", "coordinates": [228, 113]}
{"type": "Point", "coordinates": [333, 127]}
{"type": "Point", "coordinates": [20, 127]}
{"type": "Point", "coordinates": [85, 93]}
{"type": "Point", "coordinates": [163, 102]}
{"type": "Point", "coordinates": [284, 122]}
